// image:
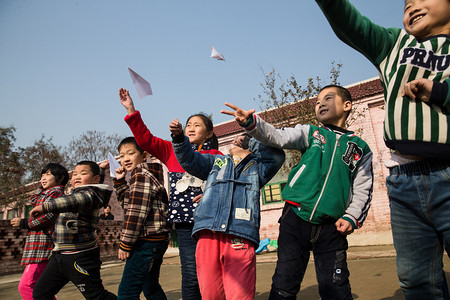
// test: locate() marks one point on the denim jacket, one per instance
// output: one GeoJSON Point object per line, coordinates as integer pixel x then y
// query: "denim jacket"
{"type": "Point", "coordinates": [231, 199]}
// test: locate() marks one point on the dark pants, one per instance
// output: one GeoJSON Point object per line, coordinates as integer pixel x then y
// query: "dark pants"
{"type": "Point", "coordinates": [141, 271]}
{"type": "Point", "coordinates": [189, 282]}
{"type": "Point", "coordinates": [295, 241]}
{"type": "Point", "coordinates": [83, 269]}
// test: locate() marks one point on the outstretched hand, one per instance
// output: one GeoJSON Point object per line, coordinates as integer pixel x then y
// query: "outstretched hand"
{"type": "Point", "coordinates": [126, 101]}
{"type": "Point", "coordinates": [241, 116]}
{"type": "Point", "coordinates": [418, 89]}
{"type": "Point", "coordinates": [175, 127]}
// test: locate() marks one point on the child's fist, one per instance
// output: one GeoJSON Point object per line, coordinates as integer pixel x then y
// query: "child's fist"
{"type": "Point", "coordinates": [120, 172]}
{"type": "Point", "coordinates": [418, 89]}
{"type": "Point", "coordinates": [175, 127]}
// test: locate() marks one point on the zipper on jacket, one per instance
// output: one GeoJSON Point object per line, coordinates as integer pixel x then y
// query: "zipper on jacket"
{"type": "Point", "coordinates": [326, 180]}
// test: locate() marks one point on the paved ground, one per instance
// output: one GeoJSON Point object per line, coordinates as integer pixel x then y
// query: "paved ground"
{"type": "Point", "coordinates": [372, 270]}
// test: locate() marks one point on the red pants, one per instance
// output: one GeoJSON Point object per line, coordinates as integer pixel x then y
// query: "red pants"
{"type": "Point", "coordinates": [226, 266]}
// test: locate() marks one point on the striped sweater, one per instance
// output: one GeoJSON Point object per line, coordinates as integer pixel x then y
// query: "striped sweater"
{"type": "Point", "coordinates": [411, 127]}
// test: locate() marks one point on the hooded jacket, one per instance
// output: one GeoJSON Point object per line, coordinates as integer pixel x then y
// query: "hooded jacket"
{"type": "Point", "coordinates": [76, 226]}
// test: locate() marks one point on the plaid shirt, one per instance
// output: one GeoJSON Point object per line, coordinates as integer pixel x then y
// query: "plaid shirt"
{"type": "Point", "coordinates": [39, 242]}
{"type": "Point", "coordinates": [145, 204]}
{"type": "Point", "coordinates": [76, 225]}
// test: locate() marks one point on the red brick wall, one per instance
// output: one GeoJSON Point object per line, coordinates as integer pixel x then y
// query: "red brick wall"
{"type": "Point", "coordinates": [12, 241]}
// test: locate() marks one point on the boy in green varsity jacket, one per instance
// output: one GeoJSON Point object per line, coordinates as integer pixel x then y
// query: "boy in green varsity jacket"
{"type": "Point", "coordinates": [414, 67]}
{"type": "Point", "coordinates": [327, 194]}
{"type": "Point", "coordinates": [76, 256]}
{"type": "Point", "coordinates": [145, 231]}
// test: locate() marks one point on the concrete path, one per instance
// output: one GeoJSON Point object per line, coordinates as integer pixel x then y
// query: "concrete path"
{"type": "Point", "coordinates": [372, 268]}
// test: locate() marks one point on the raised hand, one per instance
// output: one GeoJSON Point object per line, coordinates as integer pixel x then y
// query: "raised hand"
{"type": "Point", "coordinates": [120, 172]}
{"type": "Point", "coordinates": [175, 127]}
{"type": "Point", "coordinates": [241, 116]}
{"type": "Point", "coordinates": [126, 101]}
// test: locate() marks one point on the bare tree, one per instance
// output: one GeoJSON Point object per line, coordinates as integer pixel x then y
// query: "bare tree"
{"type": "Point", "coordinates": [92, 145]}
{"type": "Point", "coordinates": [11, 170]}
{"type": "Point", "coordinates": [36, 156]}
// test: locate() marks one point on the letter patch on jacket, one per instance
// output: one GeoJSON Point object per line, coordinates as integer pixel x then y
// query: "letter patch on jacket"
{"type": "Point", "coordinates": [242, 214]}
{"type": "Point", "coordinates": [352, 155]}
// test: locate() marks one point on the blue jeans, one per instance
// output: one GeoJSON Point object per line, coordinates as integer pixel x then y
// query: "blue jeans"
{"type": "Point", "coordinates": [419, 195]}
{"type": "Point", "coordinates": [295, 241]}
{"type": "Point", "coordinates": [189, 282]}
{"type": "Point", "coordinates": [141, 271]}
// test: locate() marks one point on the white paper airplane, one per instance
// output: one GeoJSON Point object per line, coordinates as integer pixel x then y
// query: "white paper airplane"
{"type": "Point", "coordinates": [215, 54]}
{"type": "Point", "coordinates": [113, 165]}
{"type": "Point", "coordinates": [141, 85]}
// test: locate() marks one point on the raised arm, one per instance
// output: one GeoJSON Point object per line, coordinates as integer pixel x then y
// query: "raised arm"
{"type": "Point", "coordinates": [285, 138]}
{"type": "Point", "coordinates": [156, 146]}
{"type": "Point", "coordinates": [357, 31]}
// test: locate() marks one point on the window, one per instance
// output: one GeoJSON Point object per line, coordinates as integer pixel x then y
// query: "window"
{"type": "Point", "coordinates": [13, 213]}
{"type": "Point", "coordinates": [272, 192]}
{"type": "Point", "coordinates": [27, 211]}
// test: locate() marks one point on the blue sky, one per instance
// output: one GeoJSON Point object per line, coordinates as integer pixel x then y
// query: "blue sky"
{"type": "Point", "coordinates": [63, 62]}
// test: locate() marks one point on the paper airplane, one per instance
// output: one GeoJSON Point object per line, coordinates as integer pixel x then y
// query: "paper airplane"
{"type": "Point", "coordinates": [113, 165]}
{"type": "Point", "coordinates": [215, 54]}
{"type": "Point", "coordinates": [141, 85]}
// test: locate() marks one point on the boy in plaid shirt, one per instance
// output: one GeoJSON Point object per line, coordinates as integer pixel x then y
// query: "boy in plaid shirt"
{"type": "Point", "coordinates": [39, 242]}
{"type": "Point", "coordinates": [76, 256]}
{"type": "Point", "coordinates": [145, 231]}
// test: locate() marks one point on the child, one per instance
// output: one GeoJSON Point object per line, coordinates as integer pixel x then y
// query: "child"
{"type": "Point", "coordinates": [145, 232]}
{"type": "Point", "coordinates": [39, 243]}
{"type": "Point", "coordinates": [76, 256]}
{"type": "Point", "coordinates": [327, 194]}
{"type": "Point", "coordinates": [106, 215]}
{"type": "Point", "coordinates": [183, 196]}
{"type": "Point", "coordinates": [414, 69]}
{"type": "Point", "coordinates": [227, 219]}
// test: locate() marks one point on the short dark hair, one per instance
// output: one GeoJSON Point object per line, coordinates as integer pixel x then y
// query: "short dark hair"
{"type": "Point", "coordinates": [60, 173]}
{"type": "Point", "coordinates": [108, 206]}
{"type": "Point", "coordinates": [341, 91]}
{"type": "Point", "coordinates": [214, 142]}
{"type": "Point", "coordinates": [92, 165]}
{"type": "Point", "coordinates": [130, 140]}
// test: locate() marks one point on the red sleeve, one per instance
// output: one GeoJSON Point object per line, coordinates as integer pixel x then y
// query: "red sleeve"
{"type": "Point", "coordinates": [159, 148]}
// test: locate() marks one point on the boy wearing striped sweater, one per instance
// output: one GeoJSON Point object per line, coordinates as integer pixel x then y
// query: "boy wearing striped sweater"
{"type": "Point", "coordinates": [145, 231]}
{"type": "Point", "coordinates": [414, 69]}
